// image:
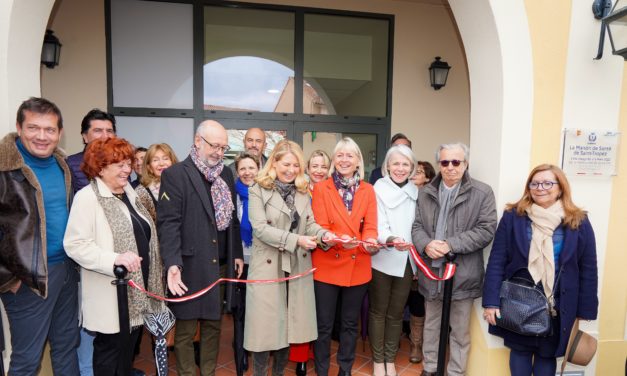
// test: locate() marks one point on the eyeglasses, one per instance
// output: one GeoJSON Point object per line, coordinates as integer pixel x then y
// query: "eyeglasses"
{"type": "Point", "coordinates": [214, 147]}
{"type": "Point", "coordinates": [546, 185]}
{"type": "Point", "coordinates": [419, 172]}
{"type": "Point", "coordinates": [454, 162]}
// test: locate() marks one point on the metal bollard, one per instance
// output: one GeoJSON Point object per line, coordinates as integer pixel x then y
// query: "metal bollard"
{"type": "Point", "coordinates": [121, 283]}
{"type": "Point", "coordinates": [446, 316]}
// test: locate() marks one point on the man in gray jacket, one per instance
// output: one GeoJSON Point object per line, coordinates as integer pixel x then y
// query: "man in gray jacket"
{"type": "Point", "coordinates": [456, 214]}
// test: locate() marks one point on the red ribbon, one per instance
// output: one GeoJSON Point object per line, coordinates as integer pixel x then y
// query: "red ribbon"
{"type": "Point", "coordinates": [449, 272]}
{"type": "Point", "coordinates": [449, 269]}
{"type": "Point", "coordinates": [214, 284]}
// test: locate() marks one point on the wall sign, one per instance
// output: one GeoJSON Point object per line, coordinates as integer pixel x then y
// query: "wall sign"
{"type": "Point", "coordinates": [590, 153]}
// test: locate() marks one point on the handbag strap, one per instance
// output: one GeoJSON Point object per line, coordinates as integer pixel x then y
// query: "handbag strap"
{"type": "Point", "coordinates": [551, 298]}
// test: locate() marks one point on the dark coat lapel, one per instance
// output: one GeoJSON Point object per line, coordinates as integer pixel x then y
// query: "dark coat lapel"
{"type": "Point", "coordinates": [199, 186]}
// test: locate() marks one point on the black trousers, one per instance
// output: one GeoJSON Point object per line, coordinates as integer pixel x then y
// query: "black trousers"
{"type": "Point", "coordinates": [327, 296]}
{"type": "Point", "coordinates": [113, 353]}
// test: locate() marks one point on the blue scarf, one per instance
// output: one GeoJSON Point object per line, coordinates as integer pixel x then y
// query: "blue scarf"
{"type": "Point", "coordinates": [245, 227]}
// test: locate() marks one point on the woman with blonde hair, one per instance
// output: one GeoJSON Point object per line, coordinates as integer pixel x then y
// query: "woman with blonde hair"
{"type": "Point", "coordinates": [545, 238]}
{"type": "Point", "coordinates": [284, 234]}
{"type": "Point", "coordinates": [346, 205]}
{"type": "Point", "coordinates": [157, 158]}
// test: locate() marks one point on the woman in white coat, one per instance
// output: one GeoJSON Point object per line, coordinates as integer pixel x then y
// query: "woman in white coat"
{"type": "Point", "coordinates": [392, 267]}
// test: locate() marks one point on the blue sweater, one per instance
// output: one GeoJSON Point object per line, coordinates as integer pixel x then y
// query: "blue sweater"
{"type": "Point", "coordinates": [52, 182]}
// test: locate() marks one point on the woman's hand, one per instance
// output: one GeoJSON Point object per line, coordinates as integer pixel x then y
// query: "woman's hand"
{"type": "Point", "coordinates": [372, 246]}
{"type": "Point", "coordinates": [490, 315]}
{"type": "Point", "coordinates": [307, 242]}
{"type": "Point", "coordinates": [329, 238]}
{"type": "Point", "coordinates": [131, 261]}
{"type": "Point", "coordinates": [401, 244]}
{"type": "Point", "coordinates": [348, 242]}
{"type": "Point", "coordinates": [175, 284]}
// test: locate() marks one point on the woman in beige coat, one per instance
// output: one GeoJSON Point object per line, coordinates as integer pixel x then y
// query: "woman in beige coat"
{"type": "Point", "coordinates": [284, 234]}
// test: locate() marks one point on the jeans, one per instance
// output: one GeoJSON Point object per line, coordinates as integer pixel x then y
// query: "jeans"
{"type": "Point", "coordinates": [524, 363]}
{"type": "Point", "coordinates": [33, 320]}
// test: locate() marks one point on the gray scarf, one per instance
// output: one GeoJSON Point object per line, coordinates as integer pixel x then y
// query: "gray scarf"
{"type": "Point", "coordinates": [124, 241]}
{"type": "Point", "coordinates": [447, 198]}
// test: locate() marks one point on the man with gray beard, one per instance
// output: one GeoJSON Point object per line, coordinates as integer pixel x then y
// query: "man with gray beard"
{"type": "Point", "coordinates": [200, 242]}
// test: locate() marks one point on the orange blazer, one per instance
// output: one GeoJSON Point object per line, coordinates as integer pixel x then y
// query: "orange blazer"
{"type": "Point", "coordinates": [337, 265]}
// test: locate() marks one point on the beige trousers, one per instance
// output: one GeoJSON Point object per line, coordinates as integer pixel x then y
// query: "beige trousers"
{"type": "Point", "coordinates": [459, 339]}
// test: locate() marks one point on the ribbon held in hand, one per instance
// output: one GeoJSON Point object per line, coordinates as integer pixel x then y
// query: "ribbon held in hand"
{"type": "Point", "coordinates": [214, 284]}
{"type": "Point", "coordinates": [449, 269]}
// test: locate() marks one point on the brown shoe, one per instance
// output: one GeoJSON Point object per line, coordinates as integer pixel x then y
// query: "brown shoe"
{"type": "Point", "coordinates": [415, 338]}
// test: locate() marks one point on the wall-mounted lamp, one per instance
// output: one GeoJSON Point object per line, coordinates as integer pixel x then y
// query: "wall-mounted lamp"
{"type": "Point", "coordinates": [51, 50]}
{"type": "Point", "coordinates": [615, 21]}
{"type": "Point", "coordinates": [438, 71]}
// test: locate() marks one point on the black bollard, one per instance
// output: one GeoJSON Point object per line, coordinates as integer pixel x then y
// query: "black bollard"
{"type": "Point", "coordinates": [446, 316]}
{"type": "Point", "coordinates": [121, 283]}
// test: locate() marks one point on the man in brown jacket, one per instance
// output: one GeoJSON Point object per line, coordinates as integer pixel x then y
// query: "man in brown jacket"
{"type": "Point", "coordinates": [38, 282]}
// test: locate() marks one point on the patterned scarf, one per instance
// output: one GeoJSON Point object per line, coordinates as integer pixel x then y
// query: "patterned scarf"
{"type": "Point", "coordinates": [246, 229]}
{"type": "Point", "coordinates": [124, 241]}
{"type": "Point", "coordinates": [346, 188]}
{"type": "Point", "coordinates": [541, 259]}
{"type": "Point", "coordinates": [287, 191]}
{"type": "Point", "coordinates": [220, 192]}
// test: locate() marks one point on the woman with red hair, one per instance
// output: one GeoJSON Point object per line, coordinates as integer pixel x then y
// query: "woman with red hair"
{"type": "Point", "coordinates": [108, 226]}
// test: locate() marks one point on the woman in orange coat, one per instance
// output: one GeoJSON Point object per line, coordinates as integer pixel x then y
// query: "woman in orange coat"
{"type": "Point", "coordinates": [345, 205]}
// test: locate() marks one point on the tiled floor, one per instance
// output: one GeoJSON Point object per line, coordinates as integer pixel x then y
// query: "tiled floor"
{"type": "Point", "coordinates": [226, 366]}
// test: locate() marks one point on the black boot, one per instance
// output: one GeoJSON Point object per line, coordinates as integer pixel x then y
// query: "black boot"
{"type": "Point", "coordinates": [245, 361]}
{"type": "Point", "coordinates": [343, 373]}
{"type": "Point", "coordinates": [301, 368]}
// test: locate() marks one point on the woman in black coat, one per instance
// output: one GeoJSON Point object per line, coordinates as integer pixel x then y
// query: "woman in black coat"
{"type": "Point", "coordinates": [539, 235]}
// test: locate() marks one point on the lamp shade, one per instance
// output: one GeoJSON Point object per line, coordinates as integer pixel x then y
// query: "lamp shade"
{"type": "Point", "coordinates": [438, 72]}
{"type": "Point", "coordinates": [51, 50]}
{"type": "Point", "coordinates": [616, 23]}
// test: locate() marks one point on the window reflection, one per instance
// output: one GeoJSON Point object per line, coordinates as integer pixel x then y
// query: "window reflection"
{"type": "Point", "coordinates": [247, 83]}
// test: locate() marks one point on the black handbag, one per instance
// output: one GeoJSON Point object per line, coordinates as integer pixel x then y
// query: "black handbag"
{"type": "Point", "coordinates": [524, 307]}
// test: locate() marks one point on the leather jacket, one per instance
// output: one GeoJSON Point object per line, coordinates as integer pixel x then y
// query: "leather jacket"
{"type": "Point", "coordinates": [22, 220]}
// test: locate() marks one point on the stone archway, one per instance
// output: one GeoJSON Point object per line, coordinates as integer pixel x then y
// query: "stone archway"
{"type": "Point", "coordinates": [22, 28]}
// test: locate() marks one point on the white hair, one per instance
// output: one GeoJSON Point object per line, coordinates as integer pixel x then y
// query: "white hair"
{"type": "Point", "coordinates": [404, 151]}
{"type": "Point", "coordinates": [456, 145]}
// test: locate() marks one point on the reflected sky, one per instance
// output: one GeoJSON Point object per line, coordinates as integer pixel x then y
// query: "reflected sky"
{"type": "Point", "coordinates": [245, 83]}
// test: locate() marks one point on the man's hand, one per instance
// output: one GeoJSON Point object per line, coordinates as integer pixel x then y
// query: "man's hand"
{"type": "Point", "coordinates": [437, 249]}
{"type": "Point", "coordinates": [239, 267]}
{"type": "Point", "coordinates": [129, 260]}
{"type": "Point", "coordinates": [175, 284]}
{"type": "Point", "coordinates": [16, 286]}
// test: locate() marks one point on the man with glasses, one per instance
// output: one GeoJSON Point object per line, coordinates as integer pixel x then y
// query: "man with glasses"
{"type": "Point", "coordinates": [454, 214]}
{"type": "Point", "coordinates": [200, 242]}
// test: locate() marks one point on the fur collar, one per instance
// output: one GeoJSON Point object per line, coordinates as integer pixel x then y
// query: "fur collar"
{"type": "Point", "coordinates": [10, 157]}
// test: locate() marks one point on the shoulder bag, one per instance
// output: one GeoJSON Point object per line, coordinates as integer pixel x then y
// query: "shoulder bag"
{"type": "Point", "coordinates": [524, 307]}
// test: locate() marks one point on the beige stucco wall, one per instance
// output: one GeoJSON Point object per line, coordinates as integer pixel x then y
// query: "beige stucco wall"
{"type": "Point", "coordinates": [79, 83]}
